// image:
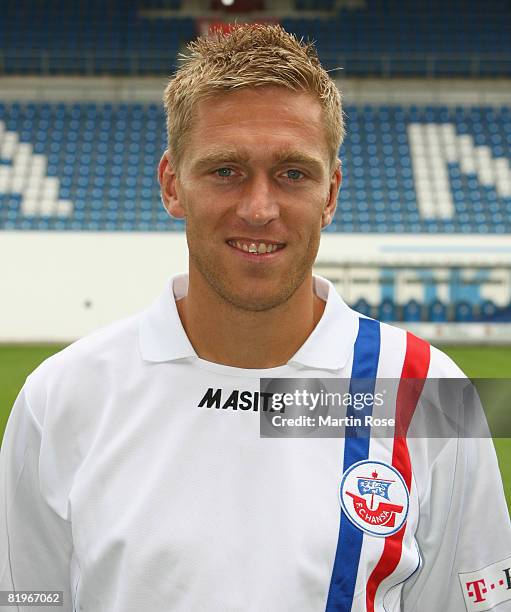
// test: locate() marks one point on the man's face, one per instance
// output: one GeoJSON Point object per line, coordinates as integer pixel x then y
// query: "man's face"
{"type": "Point", "coordinates": [255, 187]}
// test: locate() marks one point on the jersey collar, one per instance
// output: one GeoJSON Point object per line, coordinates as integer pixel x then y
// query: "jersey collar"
{"type": "Point", "coordinates": [329, 347]}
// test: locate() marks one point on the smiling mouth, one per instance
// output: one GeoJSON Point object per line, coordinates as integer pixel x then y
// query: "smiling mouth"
{"type": "Point", "coordinates": [256, 247]}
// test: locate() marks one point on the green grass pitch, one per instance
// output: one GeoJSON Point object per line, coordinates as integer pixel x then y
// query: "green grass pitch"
{"type": "Point", "coordinates": [17, 361]}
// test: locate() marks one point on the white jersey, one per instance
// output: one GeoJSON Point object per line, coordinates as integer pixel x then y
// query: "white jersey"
{"type": "Point", "coordinates": [133, 477]}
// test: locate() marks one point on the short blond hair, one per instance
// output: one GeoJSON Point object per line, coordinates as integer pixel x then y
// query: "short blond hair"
{"type": "Point", "coordinates": [248, 56]}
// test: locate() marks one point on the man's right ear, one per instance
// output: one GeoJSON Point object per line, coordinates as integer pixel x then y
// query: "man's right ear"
{"type": "Point", "coordinates": [169, 188]}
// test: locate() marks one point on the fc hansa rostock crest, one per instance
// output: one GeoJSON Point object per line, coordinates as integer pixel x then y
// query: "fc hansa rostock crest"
{"type": "Point", "coordinates": [374, 497]}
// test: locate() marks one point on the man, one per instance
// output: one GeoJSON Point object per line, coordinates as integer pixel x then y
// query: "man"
{"type": "Point", "coordinates": [134, 473]}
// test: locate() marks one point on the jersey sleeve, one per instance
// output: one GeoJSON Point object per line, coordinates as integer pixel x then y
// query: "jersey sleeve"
{"type": "Point", "coordinates": [35, 541]}
{"type": "Point", "coordinates": [464, 534]}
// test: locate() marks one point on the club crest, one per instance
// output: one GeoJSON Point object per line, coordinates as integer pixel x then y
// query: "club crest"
{"type": "Point", "coordinates": [374, 497]}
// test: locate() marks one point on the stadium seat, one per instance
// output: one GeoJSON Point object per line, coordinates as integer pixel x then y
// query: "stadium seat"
{"type": "Point", "coordinates": [363, 307]}
{"type": "Point", "coordinates": [437, 312]}
{"type": "Point", "coordinates": [412, 311]}
{"type": "Point", "coordinates": [463, 312]}
{"type": "Point", "coordinates": [387, 311]}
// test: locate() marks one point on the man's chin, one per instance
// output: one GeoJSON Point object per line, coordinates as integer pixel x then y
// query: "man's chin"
{"type": "Point", "coordinates": [256, 301]}
{"type": "Point", "coordinates": [252, 294]}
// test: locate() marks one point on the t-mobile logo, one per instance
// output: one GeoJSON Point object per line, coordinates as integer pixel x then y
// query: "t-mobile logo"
{"type": "Point", "coordinates": [487, 587]}
{"type": "Point", "coordinates": [477, 589]}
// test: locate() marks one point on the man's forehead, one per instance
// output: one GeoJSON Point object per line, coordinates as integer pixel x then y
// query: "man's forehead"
{"type": "Point", "coordinates": [267, 112]}
{"type": "Point", "coordinates": [280, 99]}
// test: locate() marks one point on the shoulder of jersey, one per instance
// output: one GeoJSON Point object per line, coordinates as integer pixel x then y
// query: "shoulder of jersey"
{"type": "Point", "coordinates": [441, 365]}
{"type": "Point", "coordinates": [92, 353]}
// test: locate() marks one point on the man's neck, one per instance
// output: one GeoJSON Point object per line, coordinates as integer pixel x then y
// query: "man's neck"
{"type": "Point", "coordinates": [222, 333]}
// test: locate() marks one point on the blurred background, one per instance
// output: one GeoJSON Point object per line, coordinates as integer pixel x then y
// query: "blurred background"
{"type": "Point", "coordinates": [422, 232]}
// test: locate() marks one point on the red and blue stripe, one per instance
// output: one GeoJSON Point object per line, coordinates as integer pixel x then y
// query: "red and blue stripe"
{"type": "Point", "coordinates": [356, 448]}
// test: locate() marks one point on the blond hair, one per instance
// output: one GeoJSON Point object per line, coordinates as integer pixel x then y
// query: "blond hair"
{"type": "Point", "coordinates": [248, 56]}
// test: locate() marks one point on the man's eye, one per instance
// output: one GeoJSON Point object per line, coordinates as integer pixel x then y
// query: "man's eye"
{"type": "Point", "coordinates": [223, 172]}
{"type": "Point", "coordinates": [294, 175]}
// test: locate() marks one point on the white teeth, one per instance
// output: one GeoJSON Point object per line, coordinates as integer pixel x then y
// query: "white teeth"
{"type": "Point", "coordinates": [245, 247]}
{"type": "Point", "coordinates": [261, 248]}
{"type": "Point", "coordinates": [252, 248]}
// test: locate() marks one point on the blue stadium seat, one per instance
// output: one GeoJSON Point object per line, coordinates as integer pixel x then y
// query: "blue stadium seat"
{"type": "Point", "coordinates": [488, 310]}
{"type": "Point", "coordinates": [437, 312]}
{"type": "Point", "coordinates": [463, 312]}
{"type": "Point", "coordinates": [363, 307]}
{"type": "Point", "coordinates": [387, 311]}
{"type": "Point", "coordinates": [412, 311]}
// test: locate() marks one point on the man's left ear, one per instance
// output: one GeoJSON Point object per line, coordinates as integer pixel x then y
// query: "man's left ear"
{"type": "Point", "coordinates": [331, 203]}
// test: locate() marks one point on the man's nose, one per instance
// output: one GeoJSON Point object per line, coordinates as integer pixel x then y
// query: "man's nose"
{"type": "Point", "coordinates": [258, 204]}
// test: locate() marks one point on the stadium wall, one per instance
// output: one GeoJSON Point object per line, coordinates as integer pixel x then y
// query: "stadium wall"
{"type": "Point", "coordinates": [59, 286]}
{"type": "Point", "coordinates": [448, 91]}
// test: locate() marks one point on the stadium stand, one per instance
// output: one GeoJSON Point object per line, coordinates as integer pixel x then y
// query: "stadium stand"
{"type": "Point", "coordinates": [436, 312]}
{"type": "Point", "coordinates": [59, 37]}
{"type": "Point", "coordinates": [375, 37]}
{"type": "Point", "coordinates": [406, 169]}
{"type": "Point", "coordinates": [459, 37]}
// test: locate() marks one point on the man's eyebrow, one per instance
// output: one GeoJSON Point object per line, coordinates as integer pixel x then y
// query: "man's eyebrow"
{"type": "Point", "coordinates": [289, 156]}
{"type": "Point", "coordinates": [284, 156]}
{"type": "Point", "coordinates": [220, 157]}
